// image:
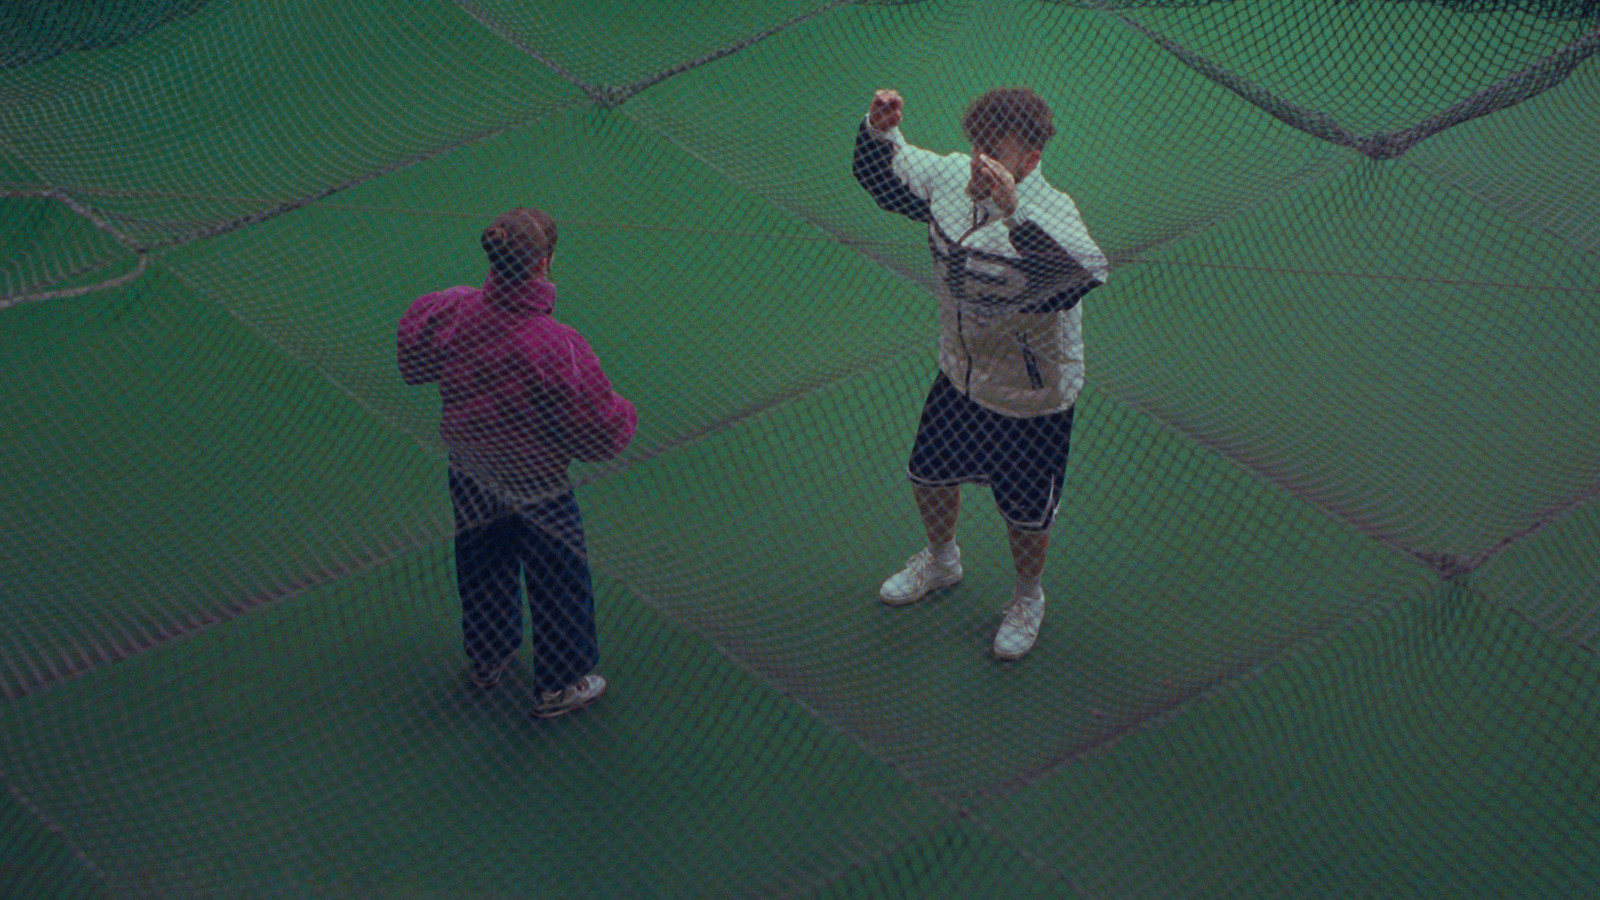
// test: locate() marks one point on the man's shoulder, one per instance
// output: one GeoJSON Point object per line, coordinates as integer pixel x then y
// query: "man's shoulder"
{"type": "Point", "coordinates": [1039, 190]}
{"type": "Point", "coordinates": [549, 340]}
{"type": "Point", "coordinates": [438, 307]}
{"type": "Point", "coordinates": [1049, 206]}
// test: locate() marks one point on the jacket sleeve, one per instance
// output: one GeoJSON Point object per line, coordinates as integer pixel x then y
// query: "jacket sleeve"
{"type": "Point", "coordinates": [598, 423]}
{"type": "Point", "coordinates": [1058, 253]}
{"type": "Point", "coordinates": [897, 175]}
{"type": "Point", "coordinates": [420, 355]}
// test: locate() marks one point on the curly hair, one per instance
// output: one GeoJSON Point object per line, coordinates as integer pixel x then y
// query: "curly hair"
{"type": "Point", "coordinates": [1018, 112]}
{"type": "Point", "coordinates": [518, 240]}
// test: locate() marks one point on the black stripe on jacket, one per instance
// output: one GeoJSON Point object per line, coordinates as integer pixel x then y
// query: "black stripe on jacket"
{"type": "Point", "coordinates": [1045, 260]}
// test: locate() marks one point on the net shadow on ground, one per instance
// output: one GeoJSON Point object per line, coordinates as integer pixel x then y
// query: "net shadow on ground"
{"type": "Point", "coordinates": [1440, 749]}
{"type": "Point", "coordinates": [1173, 571]}
{"type": "Point", "coordinates": [203, 123]}
{"type": "Point", "coordinates": [169, 469]}
{"type": "Point", "coordinates": [1378, 383]}
{"type": "Point", "coordinates": [1177, 575]}
{"type": "Point", "coordinates": [700, 300]}
{"type": "Point", "coordinates": [333, 746]}
{"type": "Point", "coordinates": [1552, 577]}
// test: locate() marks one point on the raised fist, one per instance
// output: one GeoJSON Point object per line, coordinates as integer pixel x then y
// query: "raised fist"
{"type": "Point", "coordinates": [885, 111]}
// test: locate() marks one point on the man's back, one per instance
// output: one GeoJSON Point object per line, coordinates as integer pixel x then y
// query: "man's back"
{"type": "Point", "coordinates": [522, 394]}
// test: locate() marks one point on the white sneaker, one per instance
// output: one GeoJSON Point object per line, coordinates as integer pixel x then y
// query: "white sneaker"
{"type": "Point", "coordinates": [1020, 628]}
{"type": "Point", "coordinates": [583, 692]}
{"type": "Point", "coordinates": [922, 574]}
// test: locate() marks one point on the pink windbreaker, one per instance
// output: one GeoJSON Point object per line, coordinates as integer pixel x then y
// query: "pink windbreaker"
{"type": "Point", "coordinates": [523, 394]}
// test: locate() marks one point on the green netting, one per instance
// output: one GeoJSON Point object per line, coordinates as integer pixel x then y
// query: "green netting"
{"type": "Point", "coordinates": [1324, 589]}
{"type": "Point", "coordinates": [33, 32]}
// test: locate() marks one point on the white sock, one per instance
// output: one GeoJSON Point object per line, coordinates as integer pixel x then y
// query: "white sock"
{"type": "Point", "coordinates": [1029, 587]}
{"type": "Point", "coordinates": [945, 553]}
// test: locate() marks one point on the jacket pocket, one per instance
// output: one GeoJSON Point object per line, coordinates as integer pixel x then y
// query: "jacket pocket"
{"type": "Point", "coordinates": [1029, 360]}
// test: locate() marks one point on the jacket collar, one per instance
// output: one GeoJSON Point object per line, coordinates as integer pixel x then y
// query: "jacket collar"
{"type": "Point", "coordinates": [532, 296]}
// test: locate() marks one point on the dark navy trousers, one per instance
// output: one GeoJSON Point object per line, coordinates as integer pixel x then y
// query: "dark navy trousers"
{"type": "Point", "coordinates": [502, 547]}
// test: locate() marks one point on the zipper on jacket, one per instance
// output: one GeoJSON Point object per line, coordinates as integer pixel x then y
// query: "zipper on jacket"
{"type": "Point", "coordinates": [1029, 361]}
{"type": "Point", "coordinates": [966, 382]}
{"type": "Point", "coordinates": [977, 222]}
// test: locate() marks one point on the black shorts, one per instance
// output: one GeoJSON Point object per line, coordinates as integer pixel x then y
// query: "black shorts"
{"type": "Point", "coordinates": [1024, 460]}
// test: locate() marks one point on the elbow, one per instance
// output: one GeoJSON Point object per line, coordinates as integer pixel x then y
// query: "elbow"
{"type": "Point", "coordinates": [411, 373]}
{"type": "Point", "coordinates": [416, 369]}
{"type": "Point", "coordinates": [612, 435]}
{"type": "Point", "coordinates": [623, 428]}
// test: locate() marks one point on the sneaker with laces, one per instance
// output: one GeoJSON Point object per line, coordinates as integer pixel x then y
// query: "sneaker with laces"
{"type": "Point", "coordinates": [1020, 628]}
{"type": "Point", "coordinates": [581, 693]}
{"type": "Point", "coordinates": [923, 573]}
{"type": "Point", "coordinates": [487, 675]}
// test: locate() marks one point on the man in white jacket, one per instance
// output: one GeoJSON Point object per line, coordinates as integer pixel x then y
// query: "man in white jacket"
{"type": "Point", "coordinates": [1012, 262]}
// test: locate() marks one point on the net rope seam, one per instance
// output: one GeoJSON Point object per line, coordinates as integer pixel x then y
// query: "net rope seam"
{"type": "Point", "coordinates": [96, 221]}
{"type": "Point", "coordinates": [203, 619]}
{"type": "Point", "coordinates": [1509, 91]}
{"type": "Point", "coordinates": [605, 97]}
{"type": "Point", "coordinates": [954, 803]}
{"type": "Point", "coordinates": [1549, 516]}
{"type": "Point", "coordinates": [956, 810]}
{"type": "Point", "coordinates": [1580, 235]}
{"type": "Point", "coordinates": [1305, 640]}
{"type": "Point", "coordinates": [1131, 256]}
{"type": "Point", "coordinates": [53, 828]}
{"type": "Point", "coordinates": [1444, 565]}
{"type": "Point", "coordinates": [1447, 566]}
{"type": "Point", "coordinates": [1227, 678]}
{"type": "Point", "coordinates": [610, 96]}
{"type": "Point", "coordinates": [377, 415]}
{"type": "Point", "coordinates": [195, 235]}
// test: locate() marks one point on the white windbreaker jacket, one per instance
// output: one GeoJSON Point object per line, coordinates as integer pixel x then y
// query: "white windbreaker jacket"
{"type": "Point", "coordinates": [1009, 288]}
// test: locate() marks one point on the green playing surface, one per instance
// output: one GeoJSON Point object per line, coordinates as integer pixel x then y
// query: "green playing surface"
{"type": "Point", "coordinates": [1318, 384]}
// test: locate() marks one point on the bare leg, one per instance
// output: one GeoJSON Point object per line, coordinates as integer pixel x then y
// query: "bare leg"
{"type": "Point", "coordinates": [1027, 552]}
{"type": "Point", "coordinates": [1025, 613]}
{"type": "Point", "coordinates": [939, 507]}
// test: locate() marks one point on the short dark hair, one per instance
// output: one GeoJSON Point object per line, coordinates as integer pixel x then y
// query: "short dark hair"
{"type": "Point", "coordinates": [517, 240]}
{"type": "Point", "coordinates": [1015, 111]}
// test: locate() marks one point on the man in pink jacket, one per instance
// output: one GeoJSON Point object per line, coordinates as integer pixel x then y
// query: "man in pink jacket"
{"type": "Point", "coordinates": [523, 395]}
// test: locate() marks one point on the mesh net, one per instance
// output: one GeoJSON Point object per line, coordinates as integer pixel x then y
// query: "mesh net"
{"type": "Point", "coordinates": [1323, 585]}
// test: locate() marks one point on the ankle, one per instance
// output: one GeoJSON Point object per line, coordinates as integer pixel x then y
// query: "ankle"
{"type": "Point", "coordinates": [944, 553]}
{"type": "Point", "coordinates": [1029, 587]}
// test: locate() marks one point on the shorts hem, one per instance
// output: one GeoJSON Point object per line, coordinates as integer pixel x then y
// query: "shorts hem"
{"type": "Point", "coordinates": [981, 480]}
{"type": "Point", "coordinates": [1029, 527]}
